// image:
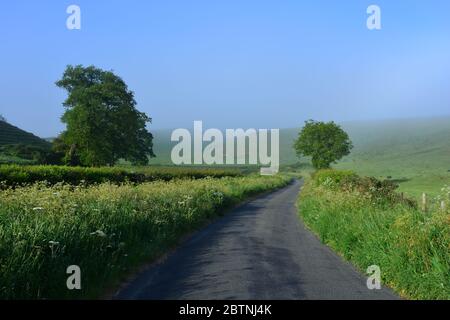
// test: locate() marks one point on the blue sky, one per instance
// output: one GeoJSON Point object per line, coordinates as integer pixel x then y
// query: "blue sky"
{"type": "Point", "coordinates": [262, 64]}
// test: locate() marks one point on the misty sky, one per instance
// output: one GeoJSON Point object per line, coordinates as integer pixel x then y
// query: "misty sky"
{"type": "Point", "coordinates": [261, 64]}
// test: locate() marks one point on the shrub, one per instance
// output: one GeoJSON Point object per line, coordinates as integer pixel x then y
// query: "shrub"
{"type": "Point", "coordinates": [380, 191]}
{"type": "Point", "coordinates": [331, 177]}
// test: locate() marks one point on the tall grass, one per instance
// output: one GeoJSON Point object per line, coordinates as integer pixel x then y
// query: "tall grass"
{"type": "Point", "coordinates": [105, 229]}
{"type": "Point", "coordinates": [411, 247]}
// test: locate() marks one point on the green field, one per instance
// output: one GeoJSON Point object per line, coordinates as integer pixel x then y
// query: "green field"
{"type": "Point", "coordinates": [7, 159]}
{"type": "Point", "coordinates": [414, 152]}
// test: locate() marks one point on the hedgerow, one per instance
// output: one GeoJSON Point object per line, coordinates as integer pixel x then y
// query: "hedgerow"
{"type": "Point", "coordinates": [17, 175]}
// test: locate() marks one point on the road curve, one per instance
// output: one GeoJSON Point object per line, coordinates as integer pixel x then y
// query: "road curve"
{"type": "Point", "coordinates": [260, 250]}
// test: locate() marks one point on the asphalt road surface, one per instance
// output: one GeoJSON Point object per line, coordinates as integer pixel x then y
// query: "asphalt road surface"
{"type": "Point", "coordinates": [260, 250]}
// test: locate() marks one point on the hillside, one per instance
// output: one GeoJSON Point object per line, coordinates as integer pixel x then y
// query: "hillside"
{"type": "Point", "coordinates": [10, 134]}
{"type": "Point", "coordinates": [415, 152]}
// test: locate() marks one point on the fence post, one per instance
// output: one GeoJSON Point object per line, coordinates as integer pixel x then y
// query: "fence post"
{"type": "Point", "coordinates": [424, 202]}
{"type": "Point", "coordinates": [443, 205]}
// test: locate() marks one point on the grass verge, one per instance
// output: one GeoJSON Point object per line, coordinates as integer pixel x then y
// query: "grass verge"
{"type": "Point", "coordinates": [105, 229]}
{"type": "Point", "coordinates": [372, 226]}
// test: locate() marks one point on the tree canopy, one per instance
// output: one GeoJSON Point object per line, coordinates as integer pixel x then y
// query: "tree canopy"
{"type": "Point", "coordinates": [323, 142]}
{"type": "Point", "coordinates": [103, 124]}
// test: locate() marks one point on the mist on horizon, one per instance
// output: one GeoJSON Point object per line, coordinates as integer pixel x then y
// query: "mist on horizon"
{"type": "Point", "coordinates": [232, 64]}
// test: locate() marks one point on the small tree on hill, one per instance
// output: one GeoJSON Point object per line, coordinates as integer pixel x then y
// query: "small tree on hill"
{"type": "Point", "coordinates": [323, 142]}
{"type": "Point", "coordinates": [103, 124]}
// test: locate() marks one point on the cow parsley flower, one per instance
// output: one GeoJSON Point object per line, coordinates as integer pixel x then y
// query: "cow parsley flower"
{"type": "Point", "coordinates": [99, 233]}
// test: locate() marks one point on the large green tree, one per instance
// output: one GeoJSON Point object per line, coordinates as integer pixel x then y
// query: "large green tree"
{"type": "Point", "coordinates": [323, 142]}
{"type": "Point", "coordinates": [103, 124]}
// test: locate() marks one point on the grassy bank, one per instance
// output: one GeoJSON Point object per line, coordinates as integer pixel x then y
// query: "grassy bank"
{"type": "Point", "coordinates": [369, 224]}
{"type": "Point", "coordinates": [105, 229]}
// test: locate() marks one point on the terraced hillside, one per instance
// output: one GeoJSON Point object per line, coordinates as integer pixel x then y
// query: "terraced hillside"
{"type": "Point", "coordinates": [10, 134]}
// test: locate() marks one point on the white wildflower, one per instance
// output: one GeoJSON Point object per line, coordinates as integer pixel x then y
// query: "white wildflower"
{"type": "Point", "coordinates": [99, 233]}
{"type": "Point", "coordinates": [52, 246]}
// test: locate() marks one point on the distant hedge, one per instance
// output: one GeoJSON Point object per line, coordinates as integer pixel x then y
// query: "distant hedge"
{"type": "Point", "coordinates": [16, 175]}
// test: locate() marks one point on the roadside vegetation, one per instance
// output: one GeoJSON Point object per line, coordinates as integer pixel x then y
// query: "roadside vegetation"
{"type": "Point", "coordinates": [369, 223]}
{"type": "Point", "coordinates": [19, 175]}
{"type": "Point", "coordinates": [105, 229]}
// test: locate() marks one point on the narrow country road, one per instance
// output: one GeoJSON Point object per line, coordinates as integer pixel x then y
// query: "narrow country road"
{"type": "Point", "coordinates": [260, 250]}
